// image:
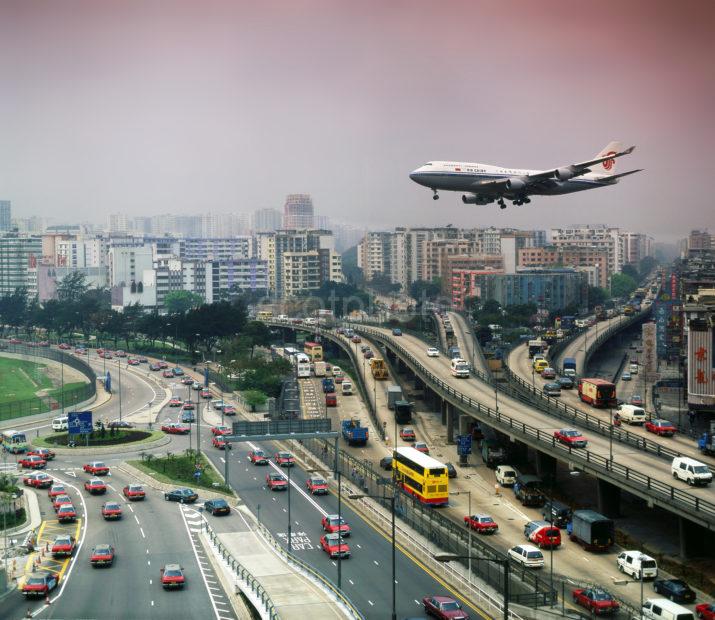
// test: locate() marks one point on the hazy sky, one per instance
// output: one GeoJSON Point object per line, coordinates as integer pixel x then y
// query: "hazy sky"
{"type": "Point", "coordinates": [151, 107]}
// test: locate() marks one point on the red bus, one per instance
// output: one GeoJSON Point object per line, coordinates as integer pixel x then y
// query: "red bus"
{"type": "Point", "coordinates": [597, 392]}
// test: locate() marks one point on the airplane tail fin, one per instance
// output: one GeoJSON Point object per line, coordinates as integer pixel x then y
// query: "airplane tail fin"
{"type": "Point", "coordinates": [608, 166]}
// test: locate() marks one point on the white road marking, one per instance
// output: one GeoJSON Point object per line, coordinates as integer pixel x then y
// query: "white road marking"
{"type": "Point", "coordinates": [148, 562]}
{"type": "Point", "coordinates": [137, 519]}
{"type": "Point", "coordinates": [143, 536]}
{"type": "Point", "coordinates": [376, 563]}
{"type": "Point", "coordinates": [151, 581]}
{"type": "Point", "coordinates": [223, 460]}
{"type": "Point", "coordinates": [352, 583]}
{"type": "Point", "coordinates": [371, 603]}
{"type": "Point", "coordinates": [416, 601]}
{"type": "Point", "coordinates": [130, 508]}
{"type": "Point", "coordinates": [152, 603]}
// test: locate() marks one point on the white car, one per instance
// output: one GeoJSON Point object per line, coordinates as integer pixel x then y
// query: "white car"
{"type": "Point", "coordinates": [217, 404]}
{"type": "Point", "coordinates": [527, 555]}
{"type": "Point", "coordinates": [506, 475]}
{"type": "Point", "coordinates": [432, 352]}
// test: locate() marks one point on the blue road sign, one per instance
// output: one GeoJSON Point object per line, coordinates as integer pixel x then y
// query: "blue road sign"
{"type": "Point", "coordinates": [79, 422]}
{"type": "Point", "coordinates": [197, 474]}
{"type": "Point", "coordinates": [465, 444]}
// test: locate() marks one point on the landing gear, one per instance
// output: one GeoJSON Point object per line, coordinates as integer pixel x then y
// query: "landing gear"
{"type": "Point", "coordinates": [436, 195]}
{"type": "Point", "coordinates": [501, 203]}
{"type": "Point", "coordinates": [522, 201]}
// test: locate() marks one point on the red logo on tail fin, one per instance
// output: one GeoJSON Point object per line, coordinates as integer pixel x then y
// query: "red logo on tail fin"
{"type": "Point", "coordinates": [609, 163]}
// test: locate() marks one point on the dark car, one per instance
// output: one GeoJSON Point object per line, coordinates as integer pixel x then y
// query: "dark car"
{"type": "Point", "coordinates": [451, 470]}
{"type": "Point", "coordinates": [183, 496]}
{"type": "Point", "coordinates": [120, 424]}
{"type": "Point", "coordinates": [566, 383]}
{"type": "Point", "coordinates": [528, 490]}
{"type": "Point", "coordinates": [397, 331]}
{"type": "Point", "coordinates": [674, 589]}
{"type": "Point", "coordinates": [558, 512]}
{"type": "Point", "coordinates": [217, 507]}
{"type": "Point", "coordinates": [386, 462]}
{"type": "Point", "coordinates": [444, 607]}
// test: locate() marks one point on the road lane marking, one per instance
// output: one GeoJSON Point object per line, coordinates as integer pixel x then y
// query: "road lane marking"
{"type": "Point", "coordinates": [136, 519]}
{"type": "Point", "coordinates": [352, 583]}
{"type": "Point", "coordinates": [142, 532]}
{"type": "Point", "coordinates": [376, 563]}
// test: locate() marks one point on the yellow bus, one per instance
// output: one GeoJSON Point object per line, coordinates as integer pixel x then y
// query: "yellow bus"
{"type": "Point", "coordinates": [264, 315]}
{"type": "Point", "coordinates": [314, 350]}
{"type": "Point", "coordinates": [421, 476]}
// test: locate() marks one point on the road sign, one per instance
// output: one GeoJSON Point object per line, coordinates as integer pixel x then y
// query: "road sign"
{"type": "Point", "coordinates": [79, 422]}
{"type": "Point", "coordinates": [465, 444]}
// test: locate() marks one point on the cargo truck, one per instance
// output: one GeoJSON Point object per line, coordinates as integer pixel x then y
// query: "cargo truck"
{"type": "Point", "coordinates": [378, 368]}
{"type": "Point", "coordinates": [492, 453]}
{"type": "Point", "coordinates": [403, 411]}
{"type": "Point", "coordinates": [328, 385]}
{"type": "Point", "coordinates": [319, 369]}
{"type": "Point", "coordinates": [706, 443]}
{"type": "Point", "coordinates": [597, 392]}
{"type": "Point", "coordinates": [354, 433]}
{"type": "Point", "coordinates": [591, 530]}
{"type": "Point", "coordinates": [569, 367]}
{"type": "Point", "coordinates": [394, 393]}
{"type": "Point", "coordinates": [536, 346]}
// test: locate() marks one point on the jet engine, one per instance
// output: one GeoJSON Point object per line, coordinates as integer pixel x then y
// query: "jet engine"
{"type": "Point", "coordinates": [476, 199]}
{"type": "Point", "coordinates": [564, 174]}
{"type": "Point", "coordinates": [515, 185]}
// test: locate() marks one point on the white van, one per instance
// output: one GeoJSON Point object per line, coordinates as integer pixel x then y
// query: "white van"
{"type": "Point", "coordinates": [633, 368]}
{"type": "Point", "coordinates": [692, 471]}
{"type": "Point", "coordinates": [633, 562]}
{"type": "Point", "coordinates": [663, 609]}
{"type": "Point", "coordinates": [460, 368]}
{"type": "Point", "coordinates": [630, 414]}
{"type": "Point", "coordinates": [60, 424]}
{"type": "Point", "coordinates": [347, 388]}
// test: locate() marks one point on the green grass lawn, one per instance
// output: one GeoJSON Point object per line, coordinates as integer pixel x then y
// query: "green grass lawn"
{"type": "Point", "coordinates": [133, 436]}
{"type": "Point", "coordinates": [179, 469]}
{"type": "Point", "coordinates": [20, 379]}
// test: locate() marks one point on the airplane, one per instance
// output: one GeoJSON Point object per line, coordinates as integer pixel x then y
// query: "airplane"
{"type": "Point", "coordinates": [485, 184]}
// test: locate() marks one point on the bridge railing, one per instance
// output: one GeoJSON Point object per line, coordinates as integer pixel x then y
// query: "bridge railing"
{"type": "Point", "coordinates": [689, 504]}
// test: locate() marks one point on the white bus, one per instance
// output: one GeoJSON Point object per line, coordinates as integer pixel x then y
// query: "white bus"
{"type": "Point", "coordinates": [302, 365]}
{"type": "Point", "coordinates": [460, 368]}
{"type": "Point", "coordinates": [289, 353]}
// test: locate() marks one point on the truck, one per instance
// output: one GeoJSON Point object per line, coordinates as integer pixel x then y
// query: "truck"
{"type": "Point", "coordinates": [569, 367]}
{"type": "Point", "coordinates": [706, 443]}
{"type": "Point", "coordinates": [536, 347]}
{"type": "Point", "coordinates": [493, 453]}
{"type": "Point", "coordinates": [328, 385]}
{"type": "Point", "coordinates": [319, 369]}
{"type": "Point", "coordinates": [597, 392]}
{"type": "Point", "coordinates": [378, 368]}
{"type": "Point", "coordinates": [600, 313]}
{"type": "Point", "coordinates": [568, 322]}
{"type": "Point", "coordinates": [453, 352]}
{"type": "Point", "coordinates": [394, 393]}
{"type": "Point", "coordinates": [591, 530]}
{"type": "Point", "coordinates": [403, 411]}
{"type": "Point", "coordinates": [527, 490]}
{"type": "Point", "coordinates": [354, 433]}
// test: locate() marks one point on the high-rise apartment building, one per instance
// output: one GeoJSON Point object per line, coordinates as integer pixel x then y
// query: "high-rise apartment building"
{"type": "Point", "coordinates": [18, 254]}
{"type": "Point", "coordinates": [605, 237]}
{"type": "Point", "coordinates": [298, 211]}
{"type": "Point", "coordinates": [5, 216]}
{"type": "Point", "coordinates": [266, 220]}
{"type": "Point", "coordinates": [117, 223]}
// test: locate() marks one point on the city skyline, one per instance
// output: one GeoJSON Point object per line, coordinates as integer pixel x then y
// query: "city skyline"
{"type": "Point", "coordinates": [126, 108]}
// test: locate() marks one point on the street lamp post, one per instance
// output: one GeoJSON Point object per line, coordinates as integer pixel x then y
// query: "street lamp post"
{"type": "Point", "coordinates": [198, 426]}
{"type": "Point", "coordinates": [448, 557]}
{"type": "Point", "coordinates": [227, 451]}
{"type": "Point", "coordinates": [119, 365]}
{"type": "Point", "coordinates": [290, 541]}
{"type": "Point", "coordinates": [392, 510]}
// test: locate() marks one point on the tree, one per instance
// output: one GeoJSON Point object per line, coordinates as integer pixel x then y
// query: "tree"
{"type": "Point", "coordinates": [622, 285]}
{"type": "Point", "coordinates": [631, 271]}
{"type": "Point", "coordinates": [72, 287]}
{"type": "Point", "coordinates": [180, 302]}
{"type": "Point", "coordinates": [256, 333]}
{"type": "Point", "coordinates": [254, 398]}
{"type": "Point", "coordinates": [421, 290]}
{"type": "Point", "coordinates": [13, 308]}
{"type": "Point", "coordinates": [383, 285]}
{"type": "Point", "coordinates": [596, 296]}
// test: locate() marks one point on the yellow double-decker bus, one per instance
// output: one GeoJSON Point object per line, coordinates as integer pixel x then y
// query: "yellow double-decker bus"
{"type": "Point", "coordinates": [264, 315]}
{"type": "Point", "coordinates": [421, 476]}
{"type": "Point", "coordinates": [314, 350]}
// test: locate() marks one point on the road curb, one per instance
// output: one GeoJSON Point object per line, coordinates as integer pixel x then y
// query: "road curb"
{"type": "Point", "coordinates": [129, 447]}
{"type": "Point", "coordinates": [152, 482]}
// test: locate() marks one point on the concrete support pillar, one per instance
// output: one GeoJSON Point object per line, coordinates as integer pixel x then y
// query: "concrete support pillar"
{"type": "Point", "coordinates": [609, 499]}
{"type": "Point", "coordinates": [464, 422]}
{"type": "Point", "coordinates": [451, 415]}
{"type": "Point", "coordinates": [545, 467]}
{"type": "Point", "coordinates": [401, 367]}
{"type": "Point", "coordinates": [419, 384]}
{"type": "Point", "coordinates": [695, 540]}
{"type": "Point", "coordinates": [443, 410]}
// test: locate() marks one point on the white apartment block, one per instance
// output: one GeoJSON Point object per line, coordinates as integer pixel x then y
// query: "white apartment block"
{"type": "Point", "coordinates": [301, 273]}
{"type": "Point", "coordinates": [128, 264]}
{"type": "Point", "coordinates": [605, 237]}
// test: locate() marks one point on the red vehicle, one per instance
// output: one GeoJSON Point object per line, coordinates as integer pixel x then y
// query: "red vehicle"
{"type": "Point", "coordinates": [220, 442]}
{"type": "Point", "coordinates": [229, 410]}
{"type": "Point", "coordinates": [174, 428]}
{"type": "Point", "coordinates": [120, 353]}
{"type": "Point", "coordinates": [187, 380]}
{"type": "Point", "coordinates": [15, 341]}
{"type": "Point", "coordinates": [597, 601]}
{"type": "Point", "coordinates": [664, 428]}
{"type": "Point", "coordinates": [356, 339]}
{"type": "Point", "coordinates": [334, 546]}
{"type": "Point", "coordinates": [188, 406]}
{"type": "Point", "coordinates": [43, 453]}
{"type": "Point", "coordinates": [96, 468]}
{"type": "Point", "coordinates": [331, 399]}
{"type": "Point", "coordinates": [95, 486]}
{"type": "Point", "coordinates": [33, 462]}
{"type": "Point", "coordinates": [80, 352]}
{"type": "Point", "coordinates": [205, 394]}
{"type": "Point", "coordinates": [482, 524]}
{"type": "Point", "coordinates": [102, 555]}
{"type": "Point", "coordinates": [706, 611]}
{"type": "Point", "coordinates": [63, 546]}
{"type": "Point", "coordinates": [134, 492]}
{"type": "Point", "coordinates": [407, 434]}
{"type": "Point", "coordinates": [597, 392]}
{"type": "Point", "coordinates": [570, 437]}
{"type": "Point", "coordinates": [443, 607]}
{"type": "Point", "coordinates": [167, 374]}
{"type": "Point", "coordinates": [317, 485]}
{"type": "Point", "coordinates": [176, 402]}
{"type": "Point", "coordinates": [172, 576]}
{"type": "Point", "coordinates": [66, 512]}
{"type": "Point", "coordinates": [40, 583]}
{"type": "Point", "coordinates": [38, 480]}
{"type": "Point", "coordinates": [276, 482]}
{"type": "Point", "coordinates": [220, 430]}
{"type": "Point", "coordinates": [133, 362]}
{"type": "Point", "coordinates": [111, 510]}
{"type": "Point", "coordinates": [421, 446]}
{"type": "Point", "coordinates": [44, 343]}
{"type": "Point", "coordinates": [333, 524]}
{"type": "Point", "coordinates": [56, 490]}
{"type": "Point", "coordinates": [162, 365]}
{"type": "Point", "coordinates": [258, 457]}
{"type": "Point", "coordinates": [543, 534]}
{"type": "Point", "coordinates": [284, 459]}
{"type": "Point", "coordinates": [64, 346]}
{"type": "Point", "coordinates": [61, 500]}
